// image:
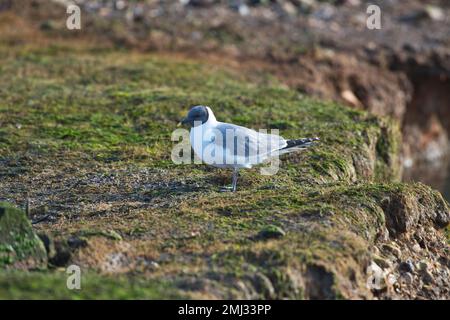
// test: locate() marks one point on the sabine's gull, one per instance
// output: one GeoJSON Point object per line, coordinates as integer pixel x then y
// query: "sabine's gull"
{"type": "Point", "coordinates": [226, 145]}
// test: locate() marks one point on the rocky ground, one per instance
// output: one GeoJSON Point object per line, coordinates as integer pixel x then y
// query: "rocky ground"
{"type": "Point", "coordinates": [85, 152]}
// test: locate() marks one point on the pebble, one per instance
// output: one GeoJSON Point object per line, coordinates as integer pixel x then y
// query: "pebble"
{"type": "Point", "coordinates": [120, 5]}
{"type": "Point", "coordinates": [350, 97]}
{"type": "Point", "coordinates": [376, 280]}
{"type": "Point", "coordinates": [422, 265]}
{"type": "Point", "coordinates": [306, 5]}
{"type": "Point", "coordinates": [271, 232]}
{"type": "Point", "coordinates": [435, 13]}
{"type": "Point", "coordinates": [393, 249]}
{"type": "Point", "coordinates": [406, 266]}
{"type": "Point", "coordinates": [325, 12]}
{"type": "Point", "coordinates": [407, 278]}
{"type": "Point", "coordinates": [244, 10]}
{"type": "Point", "coordinates": [376, 250]}
{"type": "Point", "coordinates": [416, 248]}
{"type": "Point", "coordinates": [382, 262]}
{"type": "Point", "coordinates": [76, 242]}
{"type": "Point", "coordinates": [427, 277]}
{"type": "Point", "coordinates": [353, 3]}
{"type": "Point", "coordinates": [289, 8]}
{"type": "Point", "coordinates": [391, 279]}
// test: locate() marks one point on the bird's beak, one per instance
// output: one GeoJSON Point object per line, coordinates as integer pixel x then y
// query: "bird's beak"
{"type": "Point", "coordinates": [183, 121]}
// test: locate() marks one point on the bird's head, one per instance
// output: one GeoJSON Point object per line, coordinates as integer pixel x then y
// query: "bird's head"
{"type": "Point", "coordinates": [197, 115]}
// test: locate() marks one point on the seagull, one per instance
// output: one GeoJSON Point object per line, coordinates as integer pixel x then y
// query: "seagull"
{"type": "Point", "coordinates": [226, 145]}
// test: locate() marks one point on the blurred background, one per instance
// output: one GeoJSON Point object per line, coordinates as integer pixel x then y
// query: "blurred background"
{"type": "Point", "coordinates": [319, 48]}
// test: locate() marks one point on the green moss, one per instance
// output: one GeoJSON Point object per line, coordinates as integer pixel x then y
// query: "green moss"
{"type": "Point", "coordinates": [45, 285]}
{"type": "Point", "coordinates": [19, 245]}
{"type": "Point", "coordinates": [118, 109]}
{"type": "Point", "coordinates": [388, 149]}
{"type": "Point", "coordinates": [110, 234]}
{"type": "Point", "coordinates": [102, 122]}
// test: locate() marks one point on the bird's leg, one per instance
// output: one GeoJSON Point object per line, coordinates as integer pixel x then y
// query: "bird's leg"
{"type": "Point", "coordinates": [233, 184]}
{"type": "Point", "coordinates": [235, 177]}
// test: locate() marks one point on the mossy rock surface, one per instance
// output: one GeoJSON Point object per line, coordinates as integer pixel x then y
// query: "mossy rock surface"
{"type": "Point", "coordinates": [87, 133]}
{"type": "Point", "coordinates": [20, 247]}
{"type": "Point", "coordinates": [53, 285]}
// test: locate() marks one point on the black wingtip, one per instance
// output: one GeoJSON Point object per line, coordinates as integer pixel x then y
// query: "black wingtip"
{"type": "Point", "coordinates": [305, 142]}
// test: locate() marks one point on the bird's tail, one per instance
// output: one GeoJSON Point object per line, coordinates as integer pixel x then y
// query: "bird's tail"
{"type": "Point", "coordinates": [298, 144]}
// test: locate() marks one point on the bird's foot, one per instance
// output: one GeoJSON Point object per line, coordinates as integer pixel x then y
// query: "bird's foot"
{"type": "Point", "coordinates": [227, 189]}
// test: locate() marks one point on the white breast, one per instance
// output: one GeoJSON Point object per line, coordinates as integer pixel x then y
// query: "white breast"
{"type": "Point", "coordinates": [199, 142]}
{"type": "Point", "coordinates": [203, 143]}
{"type": "Point", "coordinates": [209, 147]}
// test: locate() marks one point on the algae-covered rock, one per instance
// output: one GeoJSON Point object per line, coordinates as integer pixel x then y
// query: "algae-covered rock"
{"type": "Point", "coordinates": [311, 231]}
{"type": "Point", "coordinates": [20, 247]}
{"type": "Point", "coordinates": [271, 232]}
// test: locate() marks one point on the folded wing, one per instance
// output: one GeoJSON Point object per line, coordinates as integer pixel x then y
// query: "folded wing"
{"type": "Point", "coordinates": [246, 146]}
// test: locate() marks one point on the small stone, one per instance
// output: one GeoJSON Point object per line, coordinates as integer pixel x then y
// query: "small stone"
{"type": "Point", "coordinates": [104, 12]}
{"type": "Point", "coordinates": [351, 98]}
{"type": "Point", "coordinates": [408, 162]}
{"type": "Point", "coordinates": [353, 3]}
{"type": "Point", "coordinates": [406, 266]}
{"type": "Point", "coordinates": [271, 232]}
{"type": "Point", "coordinates": [306, 6]}
{"type": "Point", "coordinates": [244, 10]}
{"type": "Point", "coordinates": [120, 4]}
{"type": "Point", "coordinates": [435, 13]}
{"type": "Point", "coordinates": [370, 45]}
{"type": "Point", "coordinates": [393, 249]}
{"type": "Point", "coordinates": [77, 242]}
{"type": "Point", "coordinates": [416, 248]}
{"type": "Point", "coordinates": [47, 25]}
{"type": "Point", "coordinates": [427, 277]}
{"type": "Point", "coordinates": [391, 279]}
{"type": "Point", "coordinates": [289, 8]}
{"type": "Point", "coordinates": [375, 280]}
{"type": "Point", "coordinates": [382, 262]}
{"type": "Point", "coordinates": [138, 13]}
{"type": "Point", "coordinates": [422, 265]}
{"type": "Point", "coordinates": [436, 290]}
{"type": "Point", "coordinates": [376, 250]}
{"type": "Point", "coordinates": [407, 278]}
{"type": "Point", "coordinates": [325, 12]}
{"type": "Point", "coordinates": [194, 234]}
